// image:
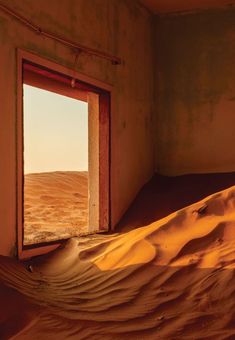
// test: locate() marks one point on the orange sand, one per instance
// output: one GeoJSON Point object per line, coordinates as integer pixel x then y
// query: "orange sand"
{"type": "Point", "coordinates": [56, 206]}
{"type": "Point", "coordinates": [173, 279]}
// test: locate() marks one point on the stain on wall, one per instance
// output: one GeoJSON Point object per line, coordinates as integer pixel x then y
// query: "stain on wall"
{"type": "Point", "coordinates": [119, 27]}
{"type": "Point", "coordinates": [195, 92]}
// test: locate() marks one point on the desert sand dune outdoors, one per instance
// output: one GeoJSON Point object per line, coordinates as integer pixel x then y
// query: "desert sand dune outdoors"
{"type": "Point", "coordinates": [55, 205]}
{"type": "Point", "coordinates": [172, 279]}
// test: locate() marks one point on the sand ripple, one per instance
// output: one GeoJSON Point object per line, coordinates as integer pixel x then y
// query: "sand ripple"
{"type": "Point", "coordinates": [173, 279]}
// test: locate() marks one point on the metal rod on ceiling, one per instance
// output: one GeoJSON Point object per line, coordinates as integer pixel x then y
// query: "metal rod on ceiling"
{"type": "Point", "coordinates": [69, 43]}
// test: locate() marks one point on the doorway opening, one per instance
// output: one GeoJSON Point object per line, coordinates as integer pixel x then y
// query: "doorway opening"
{"type": "Point", "coordinates": [63, 156]}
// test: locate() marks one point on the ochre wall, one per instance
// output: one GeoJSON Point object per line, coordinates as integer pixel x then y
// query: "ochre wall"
{"type": "Point", "coordinates": [195, 93]}
{"type": "Point", "coordinates": [119, 27]}
{"type": "Point", "coordinates": [170, 6]}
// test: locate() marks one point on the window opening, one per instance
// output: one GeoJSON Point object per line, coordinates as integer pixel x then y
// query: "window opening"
{"type": "Point", "coordinates": [55, 166]}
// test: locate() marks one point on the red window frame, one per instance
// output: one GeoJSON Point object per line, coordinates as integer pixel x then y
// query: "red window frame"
{"type": "Point", "coordinates": [46, 74]}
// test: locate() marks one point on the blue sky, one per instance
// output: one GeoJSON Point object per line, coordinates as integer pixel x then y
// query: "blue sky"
{"type": "Point", "coordinates": [55, 132]}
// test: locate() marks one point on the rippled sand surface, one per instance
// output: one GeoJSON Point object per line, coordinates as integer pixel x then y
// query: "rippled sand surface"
{"type": "Point", "coordinates": [173, 279]}
{"type": "Point", "coordinates": [55, 206]}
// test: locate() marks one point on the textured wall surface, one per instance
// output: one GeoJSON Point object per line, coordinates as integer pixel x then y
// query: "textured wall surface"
{"type": "Point", "coordinates": [169, 6]}
{"type": "Point", "coordinates": [195, 93]}
{"type": "Point", "coordinates": [119, 27]}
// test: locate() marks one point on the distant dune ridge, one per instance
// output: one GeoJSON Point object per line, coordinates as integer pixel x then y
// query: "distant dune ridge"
{"type": "Point", "coordinates": [173, 279]}
{"type": "Point", "coordinates": [55, 205]}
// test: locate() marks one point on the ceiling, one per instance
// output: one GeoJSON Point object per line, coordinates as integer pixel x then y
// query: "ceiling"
{"type": "Point", "coordinates": [168, 6]}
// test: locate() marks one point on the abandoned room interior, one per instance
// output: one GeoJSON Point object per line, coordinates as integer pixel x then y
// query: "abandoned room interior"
{"type": "Point", "coordinates": [117, 169]}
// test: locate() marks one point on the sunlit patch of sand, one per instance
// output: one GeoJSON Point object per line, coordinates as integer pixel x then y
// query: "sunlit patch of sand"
{"type": "Point", "coordinates": [55, 206]}
{"type": "Point", "coordinates": [173, 279]}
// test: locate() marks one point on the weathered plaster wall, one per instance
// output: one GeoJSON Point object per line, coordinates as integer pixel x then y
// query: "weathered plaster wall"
{"type": "Point", "coordinates": [119, 27]}
{"type": "Point", "coordinates": [169, 6]}
{"type": "Point", "coordinates": [195, 93]}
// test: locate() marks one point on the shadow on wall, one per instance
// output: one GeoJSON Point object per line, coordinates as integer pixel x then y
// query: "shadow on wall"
{"type": "Point", "coordinates": [164, 195]}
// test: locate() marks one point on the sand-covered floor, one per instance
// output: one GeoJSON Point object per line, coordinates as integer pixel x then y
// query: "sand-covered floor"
{"type": "Point", "coordinates": [55, 206]}
{"type": "Point", "coordinates": [173, 279]}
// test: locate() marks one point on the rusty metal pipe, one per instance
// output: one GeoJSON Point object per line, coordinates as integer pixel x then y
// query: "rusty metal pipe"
{"type": "Point", "coordinates": [62, 40]}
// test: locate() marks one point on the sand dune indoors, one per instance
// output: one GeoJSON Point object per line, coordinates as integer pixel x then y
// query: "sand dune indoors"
{"type": "Point", "coordinates": [173, 279]}
{"type": "Point", "coordinates": [55, 205]}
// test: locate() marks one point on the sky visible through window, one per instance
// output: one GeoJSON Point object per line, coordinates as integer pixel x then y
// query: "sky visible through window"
{"type": "Point", "coordinates": [55, 132]}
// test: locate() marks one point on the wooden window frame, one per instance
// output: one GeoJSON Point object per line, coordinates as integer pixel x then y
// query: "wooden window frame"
{"type": "Point", "coordinates": [85, 85]}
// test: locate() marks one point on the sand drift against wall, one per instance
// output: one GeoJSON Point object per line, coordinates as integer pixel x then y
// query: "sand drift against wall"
{"type": "Point", "coordinates": [173, 279]}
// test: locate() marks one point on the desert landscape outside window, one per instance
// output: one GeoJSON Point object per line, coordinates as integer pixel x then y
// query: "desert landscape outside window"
{"type": "Point", "coordinates": [55, 166]}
